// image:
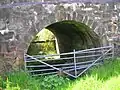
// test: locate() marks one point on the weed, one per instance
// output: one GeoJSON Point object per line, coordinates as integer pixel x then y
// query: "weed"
{"type": "Point", "coordinates": [104, 77]}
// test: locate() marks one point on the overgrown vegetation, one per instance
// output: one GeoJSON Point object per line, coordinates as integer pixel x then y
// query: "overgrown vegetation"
{"type": "Point", "coordinates": [23, 81]}
{"type": "Point", "coordinates": [105, 77]}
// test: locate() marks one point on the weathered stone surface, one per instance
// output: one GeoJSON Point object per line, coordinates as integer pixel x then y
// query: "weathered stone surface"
{"type": "Point", "coordinates": [27, 21]}
{"type": "Point", "coordinates": [6, 65]}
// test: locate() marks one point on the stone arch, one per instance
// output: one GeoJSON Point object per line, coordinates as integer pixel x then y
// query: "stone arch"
{"type": "Point", "coordinates": [71, 35]}
{"type": "Point", "coordinates": [59, 13]}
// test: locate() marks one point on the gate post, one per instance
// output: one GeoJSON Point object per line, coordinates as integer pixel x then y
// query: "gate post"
{"type": "Point", "coordinates": [113, 51]}
{"type": "Point", "coordinates": [75, 63]}
{"type": "Point", "coordinates": [102, 51]}
{"type": "Point", "coordinates": [25, 62]}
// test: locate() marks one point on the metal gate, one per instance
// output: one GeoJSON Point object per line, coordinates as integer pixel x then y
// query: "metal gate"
{"type": "Point", "coordinates": [72, 64]}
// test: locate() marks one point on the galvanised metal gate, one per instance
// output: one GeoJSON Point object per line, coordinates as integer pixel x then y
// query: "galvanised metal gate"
{"type": "Point", "coordinates": [72, 64]}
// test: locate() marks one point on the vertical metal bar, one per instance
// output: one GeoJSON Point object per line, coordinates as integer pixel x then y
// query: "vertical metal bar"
{"type": "Point", "coordinates": [102, 51]}
{"type": "Point", "coordinates": [91, 24]}
{"type": "Point", "coordinates": [75, 63]}
{"type": "Point", "coordinates": [83, 19]}
{"type": "Point", "coordinates": [25, 62]}
{"type": "Point", "coordinates": [88, 18]}
{"type": "Point", "coordinates": [113, 51]}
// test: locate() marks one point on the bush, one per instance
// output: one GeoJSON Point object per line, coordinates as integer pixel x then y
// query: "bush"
{"type": "Point", "coordinates": [53, 82]}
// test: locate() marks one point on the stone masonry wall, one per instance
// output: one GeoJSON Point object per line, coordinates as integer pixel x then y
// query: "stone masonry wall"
{"type": "Point", "coordinates": [19, 24]}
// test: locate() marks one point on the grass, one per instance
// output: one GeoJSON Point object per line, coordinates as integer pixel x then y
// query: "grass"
{"type": "Point", "coordinates": [105, 77]}
{"type": "Point", "coordinates": [21, 80]}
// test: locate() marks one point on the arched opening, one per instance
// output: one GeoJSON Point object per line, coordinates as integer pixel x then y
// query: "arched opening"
{"type": "Point", "coordinates": [43, 43]}
{"type": "Point", "coordinates": [69, 35]}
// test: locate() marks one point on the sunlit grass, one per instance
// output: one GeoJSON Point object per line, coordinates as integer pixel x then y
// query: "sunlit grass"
{"type": "Point", "coordinates": [89, 83]}
{"type": "Point", "coordinates": [21, 79]}
{"type": "Point", "coordinates": [111, 84]}
{"type": "Point", "coordinates": [93, 83]}
{"type": "Point", "coordinates": [103, 77]}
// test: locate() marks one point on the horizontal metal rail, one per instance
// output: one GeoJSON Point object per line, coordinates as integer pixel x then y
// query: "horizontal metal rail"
{"type": "Point", "coordinates": [96, 56]}
{"type": "Point", "coordinates": [68, 64]}
{"type": "Point", "coordinates": [66, 70]}
{"type": "Point", "coordinates": [79, 57]}
{"type": "Point", "coordinates": [63, 68]}
{"type": "Point", "coordinates": [41, 70]}
{"type": "Point", "coordinates": [81, 51]}
{"type": "Point", "coordinates": [44, 74]}
{"type": "Point", "coordinates": [85, 52]}
{"type": "Point", "coordinates": [54, 59]}
{"type": "Point", "coordinates": [65, 64]}
{"type": "Point", "coordinates": [83, 67]}
{"type": "Point", "coordinates": [94, 62]}
{"type": "Point", "coordinates": [53, 67]}
{"type": "Point", "coordinates": [85, 56]}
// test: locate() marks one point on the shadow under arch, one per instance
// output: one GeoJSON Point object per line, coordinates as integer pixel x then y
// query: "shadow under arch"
{"type": "Point", "coordinates": [74, 35]}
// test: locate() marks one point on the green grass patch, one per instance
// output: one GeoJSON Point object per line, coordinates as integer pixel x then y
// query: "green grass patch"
{"type": "Point", "coordinates": [103, 77]}
{"type": "Point", "coordinates": [21, 80]}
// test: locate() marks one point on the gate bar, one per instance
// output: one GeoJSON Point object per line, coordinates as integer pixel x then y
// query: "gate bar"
{"type": "Point", "coordinates": [75, 63]}
{"type": "Point", "coordinates": [53, 67]}
{"type": "Point", "coordinates": [94, 62]}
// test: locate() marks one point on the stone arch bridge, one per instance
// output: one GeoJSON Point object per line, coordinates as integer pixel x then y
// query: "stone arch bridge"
{"type": "Point", "coordinates": [20, 23]}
